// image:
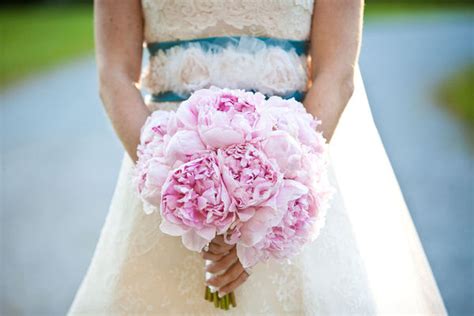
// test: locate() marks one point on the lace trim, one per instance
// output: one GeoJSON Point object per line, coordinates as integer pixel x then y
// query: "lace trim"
{"type": "Point", "coordinates": [185, 19]}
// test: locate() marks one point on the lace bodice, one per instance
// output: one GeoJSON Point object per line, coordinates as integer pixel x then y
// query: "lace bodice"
{"type": "Point", "coordinates": [186, 19]}
{"type": "Point", "coordinates": [251, 65]}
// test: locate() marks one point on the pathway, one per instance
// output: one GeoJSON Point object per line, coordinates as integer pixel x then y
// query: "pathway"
{"type": "Point", "coordinates": [56, 142]}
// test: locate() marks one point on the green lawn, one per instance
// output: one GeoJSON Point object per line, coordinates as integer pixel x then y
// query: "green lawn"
{"type": "Point", "coordinates": [456, 93]}
{"type": "Point", "coordinates": [35, 38]}
{"type": "Point", "coordinates": [407, 9]}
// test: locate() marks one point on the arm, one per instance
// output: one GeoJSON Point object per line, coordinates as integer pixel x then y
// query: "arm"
{"type": "Point", "coordinates": [335, 43]}
{"type": "Point", "coordinates": [119, 40]}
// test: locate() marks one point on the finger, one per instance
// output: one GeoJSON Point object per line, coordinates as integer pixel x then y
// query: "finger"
{"type": "Point", "coordinates": [219, 239]}
{"type": "Point", "coordinates": [223, 264]}
{"type": "Point", "coordinates": [230, 275]}
{"type": "Point", "coordinates": [218, 249]}
{"type": "Point", "coordinates": [213, 257]}
{"type": "Point", "coordinates": [234, 284]}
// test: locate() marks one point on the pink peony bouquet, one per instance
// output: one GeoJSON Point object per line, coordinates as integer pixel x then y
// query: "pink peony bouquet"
{"type": "Point", "coordinates": [233, 163]}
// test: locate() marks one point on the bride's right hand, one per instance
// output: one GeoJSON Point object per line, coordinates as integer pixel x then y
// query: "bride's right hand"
{"type": "Point", "coordinates": [224, 261]}
{"type": "Point", "coordinates": [218, 248]}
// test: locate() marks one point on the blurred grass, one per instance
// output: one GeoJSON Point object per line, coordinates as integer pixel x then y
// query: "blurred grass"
{"type": "Point", "coordinates": [457, 94]}
{"type": "Point", "coordinates": [407, 9]}
{"type": "Point", "coordinates": [37, 37]}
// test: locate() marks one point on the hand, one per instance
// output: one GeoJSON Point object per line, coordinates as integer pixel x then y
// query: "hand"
{"type": "Point", "coordinates": [225, 261]}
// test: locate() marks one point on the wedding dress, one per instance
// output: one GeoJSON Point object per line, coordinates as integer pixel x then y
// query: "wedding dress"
{"type": "Point", "coordinates": [368, 258]}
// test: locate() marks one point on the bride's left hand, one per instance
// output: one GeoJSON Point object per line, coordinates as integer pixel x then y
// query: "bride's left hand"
{"type": "Point", "coordinates": [225, 259]}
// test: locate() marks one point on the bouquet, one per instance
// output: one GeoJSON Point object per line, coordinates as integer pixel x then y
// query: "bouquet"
{"type": "Point", "coordinates": [234, 163]}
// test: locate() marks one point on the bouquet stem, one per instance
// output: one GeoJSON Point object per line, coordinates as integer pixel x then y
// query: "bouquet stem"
{"type": "Point", "coordinates": [211, 295]}
{"type": "Point", "coordinates": [224, 302]}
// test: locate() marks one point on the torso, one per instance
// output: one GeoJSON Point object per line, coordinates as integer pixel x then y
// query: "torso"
{"type": "Point", "coordinates": [271, 70]}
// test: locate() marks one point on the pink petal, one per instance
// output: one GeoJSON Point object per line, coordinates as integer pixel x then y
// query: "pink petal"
{"type": "Point", "coordinates": [246, 214]}
{"type": "Point", "coordinates": [172, 229]}
{"type": "Point", "coordinates": [184, 143]}
{"type": "Point", "coordinates": [256, 227]}
{"type": "Point", "coordinates": [248, 256]}
{"type": "Point", "coordinates": [193, 241]}
{"type": "Point", "coordinates": [221, 137]}
{"type": "Point", "coordinates": [207, 233]}
{"type": "Point", "coordinates": [185, 114]}
{"type": "Point", "coordinates": [291, 191]}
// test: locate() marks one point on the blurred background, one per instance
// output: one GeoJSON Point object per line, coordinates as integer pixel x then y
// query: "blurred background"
{"type": "Point", "coordinates": [60, 158]}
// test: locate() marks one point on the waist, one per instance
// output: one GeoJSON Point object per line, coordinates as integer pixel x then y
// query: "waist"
{"type": "Point", "coordinates": [268, 65]}
{"type": "Point", "coordinates": [170, 96]}
{"type": "Point", "coordinates": [216, 43]}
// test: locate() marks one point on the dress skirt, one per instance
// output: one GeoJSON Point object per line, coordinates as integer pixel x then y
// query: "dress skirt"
{"type": "Point", "coordinates": [368, 259]}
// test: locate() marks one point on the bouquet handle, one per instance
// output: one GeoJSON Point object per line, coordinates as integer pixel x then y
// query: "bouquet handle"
{"type": "Point", "coordinates": [210, 294]}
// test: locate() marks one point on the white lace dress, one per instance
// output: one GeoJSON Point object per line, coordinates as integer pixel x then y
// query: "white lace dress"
{"type": "Point", "coordinates": [368, 258]}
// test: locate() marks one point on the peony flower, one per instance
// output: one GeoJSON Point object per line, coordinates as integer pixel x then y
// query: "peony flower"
{"type": "Point", "coordinates": [151, 175]}
{"type": "Point", "coordinates": [291, 116]}
{"type": "Point", "coordinates": [223, 117]}
{"type": "Point", "coordinates": [255, 221]}
{"type": "Point", "coordinates": [183, 145]}
{"type": "Point", "coordinates": [231, 121]}
{"type": "Point", "coordinates": [157, 126]}
{"type": "Point", "coordinates": [248, 175]}
{"type": "Point", "coordinates": [286, 152]}
{"type": "Point", "coordinates": [188, 111]}
{"type": "Point", "coordinates": [296, 228]}
{"type": "Point", "coordinates": [195, 203]}
{"type": "Point", "coordinates": [152, 169]}
{"type": "Point", "coordinates": [252, 181]}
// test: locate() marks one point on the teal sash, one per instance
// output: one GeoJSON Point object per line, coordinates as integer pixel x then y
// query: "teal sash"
{"type": "Point", "coordinates": [213, 45]}
{"type": "Point", "coordinates": [170, 96]}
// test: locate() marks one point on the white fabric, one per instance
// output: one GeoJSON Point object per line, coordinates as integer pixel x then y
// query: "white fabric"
{"type": "Point", "coordinates": [167, 20]}
{"type": "Point", "coordinates": [249, 65]}
{"type": "Point", "coordinates": [367, 260]}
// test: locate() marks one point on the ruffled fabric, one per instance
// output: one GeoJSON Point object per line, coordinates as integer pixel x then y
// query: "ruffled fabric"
{"type": "Point", "coordinates": [249, 65]}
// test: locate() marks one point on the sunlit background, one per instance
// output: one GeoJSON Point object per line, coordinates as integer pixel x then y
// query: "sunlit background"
{"type": "Point", "coordinates": [60, 158]}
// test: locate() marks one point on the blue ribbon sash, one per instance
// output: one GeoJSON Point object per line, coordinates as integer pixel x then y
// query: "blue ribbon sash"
{"type": "Point", "coordinates": [170, 96]}
{"type": "Point", "coordinates": [213, 45]}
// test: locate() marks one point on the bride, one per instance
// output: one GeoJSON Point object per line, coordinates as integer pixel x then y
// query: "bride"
{"type": "Point", "coordinates": [368, 259]}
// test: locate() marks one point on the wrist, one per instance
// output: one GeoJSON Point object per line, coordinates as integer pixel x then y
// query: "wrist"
{"type": "Point", "coordinates": [326, 100]}
{"type": "Point", "coordinates": [336, 84]}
